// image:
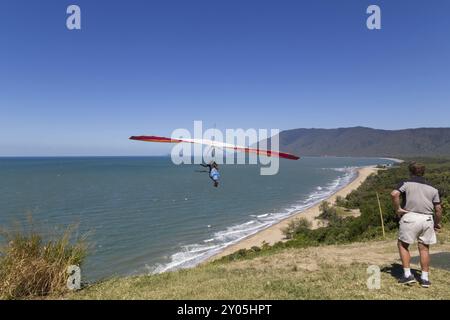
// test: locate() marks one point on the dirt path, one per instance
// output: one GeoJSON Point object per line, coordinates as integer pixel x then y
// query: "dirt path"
{"type": "Point", "coordinates": [372, 253]}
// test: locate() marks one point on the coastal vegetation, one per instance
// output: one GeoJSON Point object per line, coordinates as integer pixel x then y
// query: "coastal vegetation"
{"type": "Point", "coordinates": [341, 228]}
{"type": "Point", "coordinates": [35, 264]}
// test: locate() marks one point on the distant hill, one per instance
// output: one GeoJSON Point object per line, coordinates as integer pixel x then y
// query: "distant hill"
{"type": "Point", "coordinates": [367, 142]}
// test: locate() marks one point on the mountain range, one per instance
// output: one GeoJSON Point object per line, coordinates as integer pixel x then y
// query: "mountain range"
{"type": "Point", "coordinates": [367, 142]}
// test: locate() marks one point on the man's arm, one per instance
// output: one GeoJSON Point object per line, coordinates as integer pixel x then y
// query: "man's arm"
{"type": "Point", "coordinates": [437, 216]}
{"type": "Point", "coordinates": [437, 210]}
{"type": "Point", "coordinates": [395, 195]}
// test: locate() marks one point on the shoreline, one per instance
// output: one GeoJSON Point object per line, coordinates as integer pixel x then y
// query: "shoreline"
{"type": "Point", "coordinates": [274, 233]}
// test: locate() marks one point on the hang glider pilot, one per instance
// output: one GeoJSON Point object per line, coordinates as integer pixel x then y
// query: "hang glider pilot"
{"type": "Point", "coordinates": [213, 172]}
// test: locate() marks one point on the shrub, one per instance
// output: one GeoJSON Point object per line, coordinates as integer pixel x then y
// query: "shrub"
{"type": "Point", "coordinates": [446, 211]}
{"type": "Point", "coordinates": [341, 201]}
{"type": "Point", "coordinates": [32, 265]}
{"type": "Point", "coordinates": [296, 226]}
{"type": "Point", "coordinates": [329, 213]}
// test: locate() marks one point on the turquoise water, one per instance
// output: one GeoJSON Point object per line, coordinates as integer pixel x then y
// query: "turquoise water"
{"type": "Point", "coordinates": [147, 215]}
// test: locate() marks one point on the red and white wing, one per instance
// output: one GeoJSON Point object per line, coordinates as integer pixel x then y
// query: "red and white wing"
{"type": "Point", "coordinates": [217, 144]}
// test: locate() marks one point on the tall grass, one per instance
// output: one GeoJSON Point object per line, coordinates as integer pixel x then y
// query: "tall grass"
{"type": "Point", "coordinates": [33, 264]}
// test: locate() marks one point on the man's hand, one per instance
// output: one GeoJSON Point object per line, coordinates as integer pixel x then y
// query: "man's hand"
{"type": "Point", "coordinates": [401, 212]}
{"type": "Point", "coordinates": [396, 203]}
{"type": "Point", "coordinates": [437, 217]}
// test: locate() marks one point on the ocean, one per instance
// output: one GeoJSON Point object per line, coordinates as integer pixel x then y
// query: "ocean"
{"type": "Point", "coordinates": [146, 215]}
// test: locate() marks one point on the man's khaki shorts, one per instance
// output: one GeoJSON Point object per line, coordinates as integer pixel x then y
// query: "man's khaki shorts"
{"type": "Point", "coordinates": [417, 226]}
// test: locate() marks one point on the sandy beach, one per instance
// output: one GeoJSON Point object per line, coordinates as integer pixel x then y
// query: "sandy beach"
{"type": "Point", "coordinates": [274, 233]}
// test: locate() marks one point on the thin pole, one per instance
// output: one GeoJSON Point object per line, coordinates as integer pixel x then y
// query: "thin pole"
{"type": "Point", "coordinates": [381, 215]}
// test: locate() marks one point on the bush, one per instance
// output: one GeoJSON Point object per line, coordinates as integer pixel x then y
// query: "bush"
{"type": "Point", "coordinates": [446, 211]}
{"type": "Point", "coordinates": [341, 201]}
{"type": "Point", "coordinates": [329, 213]}
{"type": "Point", "coordinates": [31, 266]}
{"type": "Point", "coordinates": [296, 226]}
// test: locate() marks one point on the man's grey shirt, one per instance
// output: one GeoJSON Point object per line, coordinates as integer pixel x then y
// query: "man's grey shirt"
{"type": "Point", "coordinates": [418, 195]}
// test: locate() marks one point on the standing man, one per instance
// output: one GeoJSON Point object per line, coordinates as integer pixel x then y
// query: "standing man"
{"type": "Point", "coordinates": [420, 215]}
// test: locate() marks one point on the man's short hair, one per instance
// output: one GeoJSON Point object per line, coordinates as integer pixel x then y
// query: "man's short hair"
{"type": "Point", "coordinates": [416, 169]}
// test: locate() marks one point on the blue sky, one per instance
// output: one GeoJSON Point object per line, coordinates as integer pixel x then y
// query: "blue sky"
{"type": "Point", "coordinates": [149, 67]}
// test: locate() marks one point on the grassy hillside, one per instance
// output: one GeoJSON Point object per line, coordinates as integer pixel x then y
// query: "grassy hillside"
{"type": "Point", "coordinates": [361, 141]}
{"type": "Point", "coordinates": [324, 272]}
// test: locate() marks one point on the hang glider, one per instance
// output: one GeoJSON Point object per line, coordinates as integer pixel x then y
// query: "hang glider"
{"type": "Point", "coordinates": [216, 144]}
